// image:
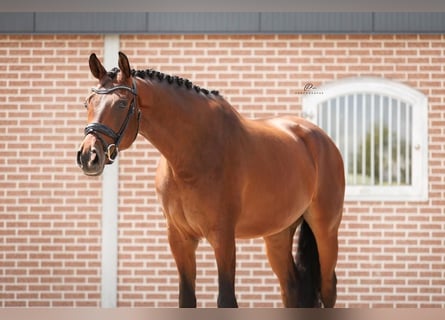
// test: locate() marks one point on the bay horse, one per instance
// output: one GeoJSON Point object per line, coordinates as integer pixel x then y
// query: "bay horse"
{"type": "Point", "coordinates": [223, 176]}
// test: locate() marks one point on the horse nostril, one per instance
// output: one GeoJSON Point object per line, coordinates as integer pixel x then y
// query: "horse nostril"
{"type": "Point", "coordinates": [79, 161]}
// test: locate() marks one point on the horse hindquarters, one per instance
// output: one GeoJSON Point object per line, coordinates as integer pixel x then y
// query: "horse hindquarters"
{"type": "Point", "coordinates": [323, 216]}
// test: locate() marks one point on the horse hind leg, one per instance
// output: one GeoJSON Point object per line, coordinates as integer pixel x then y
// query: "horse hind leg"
{"type": "Point", "coordinates": [328, 253]}
{"type": "Point", "coordinates": [324, 243]}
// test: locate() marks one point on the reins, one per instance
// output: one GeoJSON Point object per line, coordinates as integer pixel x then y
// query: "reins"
{"type": "Point", "coordinates": [98, 129]}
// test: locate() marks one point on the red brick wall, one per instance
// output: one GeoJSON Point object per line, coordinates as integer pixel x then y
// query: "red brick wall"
{"type": "Point", "coordinates": [391, 253]}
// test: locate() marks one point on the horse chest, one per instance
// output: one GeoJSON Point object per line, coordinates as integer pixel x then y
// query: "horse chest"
{"type": "Point", "coordinates": [188, 208]}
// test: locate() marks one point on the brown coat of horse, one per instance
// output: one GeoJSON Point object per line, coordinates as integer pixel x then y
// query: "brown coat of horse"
{"type": "Point", "coordinates": [222, 177]}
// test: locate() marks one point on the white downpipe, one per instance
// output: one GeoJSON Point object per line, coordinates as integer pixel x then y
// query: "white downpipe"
{"type": "Point", "coordinates": [110, 191]}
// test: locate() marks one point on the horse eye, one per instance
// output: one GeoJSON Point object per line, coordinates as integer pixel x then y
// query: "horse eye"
{"type": "Point", "coordinates": [121, 104]}
{"type": "Point", "coordinates": [85, 105]}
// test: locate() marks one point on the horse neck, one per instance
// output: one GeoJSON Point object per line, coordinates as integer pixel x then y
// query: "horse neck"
{"type": "Point", "coordinates": [180, 123]}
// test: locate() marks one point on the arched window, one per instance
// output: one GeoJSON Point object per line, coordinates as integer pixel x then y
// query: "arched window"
{"type": "Point", "coordinates": [380, 127]}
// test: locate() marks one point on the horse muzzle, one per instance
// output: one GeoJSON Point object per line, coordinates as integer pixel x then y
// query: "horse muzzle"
{"type": "Point", "coordinates": [91, 160]}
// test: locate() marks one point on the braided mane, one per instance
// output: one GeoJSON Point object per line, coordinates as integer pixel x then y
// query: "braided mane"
{"type": "Point", "coordinates": [153, 74]}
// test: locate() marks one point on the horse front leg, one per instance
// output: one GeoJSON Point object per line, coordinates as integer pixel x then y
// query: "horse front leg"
{"type": "Point", "coordinates": [183, 248]}
{"type": "Point", "coordinates": [223, 244]}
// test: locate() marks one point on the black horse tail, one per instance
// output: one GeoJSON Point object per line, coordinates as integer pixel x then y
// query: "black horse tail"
{"type": "Point", "coordinates": [307, 269]}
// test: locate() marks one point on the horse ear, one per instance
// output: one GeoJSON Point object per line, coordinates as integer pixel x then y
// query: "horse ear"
{"type": "Point", "coordinates": [96, 67]}
{"type": "Point", "coordinates": [124, 65]}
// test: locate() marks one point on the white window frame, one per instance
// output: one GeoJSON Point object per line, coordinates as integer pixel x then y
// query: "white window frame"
{"type": "Point", "coordinates": [418, 189]}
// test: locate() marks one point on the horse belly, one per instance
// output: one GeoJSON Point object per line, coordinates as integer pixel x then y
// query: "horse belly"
{"type": "Point", "coordinates": [269, 217]}
{"type": "Point", "coordinates": [276, 194]}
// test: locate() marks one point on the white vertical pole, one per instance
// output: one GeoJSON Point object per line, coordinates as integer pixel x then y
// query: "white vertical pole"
{"type": "Point", "coordinates": [399, 138]}
{"type": "Point", "coordinates": [337, 122]}
{"type": "Point", "coordinates": [363, 125]}
{"type": "Point", "coordinates": [329, 118]}
{"type": "Point", "coordinates": [347, 128]}
{"type": "Point", "coordinates": [381, 125]}
{"type": "Point", "coordinates": [354, 138]}
{"type": "Point", "coordinates": [390, 110]}
{"type": "Point", "coordinates": [373, 128]}
{"type": "Point", "coordinates": [408, 153]}
{"type": "Point", "coordinates": [110, 189]}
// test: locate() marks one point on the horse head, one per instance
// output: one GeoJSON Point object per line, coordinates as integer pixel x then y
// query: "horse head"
{"type": "Point", "coordinates": [113, 116]}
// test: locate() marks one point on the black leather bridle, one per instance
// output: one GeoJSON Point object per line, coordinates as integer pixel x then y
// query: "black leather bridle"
{"type": "Point", "coordinates": [98, 129]}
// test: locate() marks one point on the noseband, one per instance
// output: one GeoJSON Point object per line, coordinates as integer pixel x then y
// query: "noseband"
{"type": "Point", "coordinates": [96, 129]}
